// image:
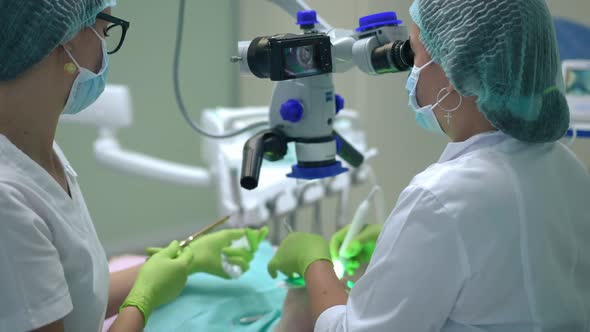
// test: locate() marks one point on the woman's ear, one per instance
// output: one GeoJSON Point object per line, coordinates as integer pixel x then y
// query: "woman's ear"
{"type": "Point", "coordinates": [64, 55]}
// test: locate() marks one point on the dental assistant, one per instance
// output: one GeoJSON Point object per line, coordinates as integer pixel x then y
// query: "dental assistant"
{"type": "Point", "coordinates": [53, 270]}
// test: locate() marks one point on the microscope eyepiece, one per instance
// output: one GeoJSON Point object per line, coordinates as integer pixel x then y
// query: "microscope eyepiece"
{"type": "Point", "coordinates": [393, 57]}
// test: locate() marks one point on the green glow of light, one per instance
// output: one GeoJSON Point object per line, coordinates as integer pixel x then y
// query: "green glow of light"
{"type": "Point", "coordinates": [295, 282]}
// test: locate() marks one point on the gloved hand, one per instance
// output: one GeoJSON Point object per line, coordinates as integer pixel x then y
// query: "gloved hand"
{"type": "Point", "coordinates": [359, 250]}
{"type": "Point", "coordinates": [207, 250]}
{"type": "Point", "coordinates": [160, 280]}
{"type": "Point", "coordinates": [296, 254]}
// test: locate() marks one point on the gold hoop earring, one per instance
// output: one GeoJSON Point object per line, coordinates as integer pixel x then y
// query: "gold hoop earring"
{"type": "Point", "coordinates": [70, 68]}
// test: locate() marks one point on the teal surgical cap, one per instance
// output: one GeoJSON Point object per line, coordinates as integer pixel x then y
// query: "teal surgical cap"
{"type": "Point", "coordinates": [505, 53]}
{"type": "Point", "coordinates": [31, 29]}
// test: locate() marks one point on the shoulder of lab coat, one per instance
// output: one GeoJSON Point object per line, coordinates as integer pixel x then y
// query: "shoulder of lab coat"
{"type": "Point", "coordinates": [32, 283]}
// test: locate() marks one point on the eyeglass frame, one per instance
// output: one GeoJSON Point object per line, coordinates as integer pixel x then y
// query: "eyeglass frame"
{"type": "Point", "coordinates": [115, 22]}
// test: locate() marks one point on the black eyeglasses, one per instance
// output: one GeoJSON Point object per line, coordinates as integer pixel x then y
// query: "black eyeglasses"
{"type": "Point", "coordinates": [115, 32]}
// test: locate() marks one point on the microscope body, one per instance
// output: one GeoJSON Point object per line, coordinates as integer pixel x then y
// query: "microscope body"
{"type": "Point", "coordinates": [303, 110]}
{"type": "Point", "coordinates": [304, 104]}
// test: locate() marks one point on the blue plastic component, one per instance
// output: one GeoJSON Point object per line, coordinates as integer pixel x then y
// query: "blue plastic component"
{"type": "Point", "coordinates": [339, 103]}
{"type": "Point", "coordinates": [573, 39]}
{"type": "Point", "coordinates": [292, 110]}
{"type": "Point", "coordinates": [338, 143]}
{"type": "Point", "coordinates": [378, 20]}
{"type": "Point", "coordinates": [307, 17]}
{"type": "Point", "coordinates": [579, 133]}
{"type": "Point", "coordinates": [311, 173]}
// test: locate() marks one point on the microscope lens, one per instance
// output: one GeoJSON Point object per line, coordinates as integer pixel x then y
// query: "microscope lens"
{"type": "Point", "coordinates": [393, 57]}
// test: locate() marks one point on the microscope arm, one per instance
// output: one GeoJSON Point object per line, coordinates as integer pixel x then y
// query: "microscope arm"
{"type": "Point", "coordinates": [348, 152]}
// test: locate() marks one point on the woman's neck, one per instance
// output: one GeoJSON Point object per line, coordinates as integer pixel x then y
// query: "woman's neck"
{"type": "Point", "coordinates": [28, 118]}
{"type": "Point", "coordinates": [469, 122]}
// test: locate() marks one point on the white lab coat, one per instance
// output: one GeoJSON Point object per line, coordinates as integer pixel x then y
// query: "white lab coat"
{"type": "Point", "coordinates": [52, 265]}
{"type": "Point", "coordinates": [493, 237]}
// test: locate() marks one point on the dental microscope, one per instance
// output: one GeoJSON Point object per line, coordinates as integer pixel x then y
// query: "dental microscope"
{"type": "Point", "coordinates": [304, 104]}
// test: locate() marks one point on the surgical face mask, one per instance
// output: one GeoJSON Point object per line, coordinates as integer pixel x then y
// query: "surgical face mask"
{"type": "Point", "coordinates": [424, 115]}
{"type": "Point", "coordinates": [88, 86]}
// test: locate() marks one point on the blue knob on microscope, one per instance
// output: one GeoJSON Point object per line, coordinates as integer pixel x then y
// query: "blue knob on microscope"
{"type": "Point", "coordinates": [307, 18]}
{"type": "Point", "coordinates": [378, 20]}
{"type": "Point", "coordinates": [292, 110]}
{"type": "Point", "coordinates": [339, 103]}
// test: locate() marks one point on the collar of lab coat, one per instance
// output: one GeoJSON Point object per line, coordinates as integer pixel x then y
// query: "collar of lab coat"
{"type": "Point", "coordinates": [457, 149]}
{"type": "Point", "coordinates": [64, 161]}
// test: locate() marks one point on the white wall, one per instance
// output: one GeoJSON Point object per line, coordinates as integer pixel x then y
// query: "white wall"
{"type": "Point", "coordinates": [404, 148]}
{"type": "Point", "coordinates": [130, 212]}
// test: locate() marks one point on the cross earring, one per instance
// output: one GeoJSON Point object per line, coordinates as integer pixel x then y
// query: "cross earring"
{"type": "Point", "coordinates": [448, 116]}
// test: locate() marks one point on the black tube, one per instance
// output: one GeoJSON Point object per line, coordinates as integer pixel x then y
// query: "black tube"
{"type": "Point", "coordinates": [348, 152]}
{"type": "Point", "coordinates": [268, 144]}
{"type": "Point", "coordinates": [393, 57]}
{"type": "Point", "coordinates": [259, 57]}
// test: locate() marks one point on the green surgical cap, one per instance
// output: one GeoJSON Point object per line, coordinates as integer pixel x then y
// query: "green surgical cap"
{"type": "Point", "coordinates": [505, 53]}
{"type": "Point", "coordinates": [31, 29]}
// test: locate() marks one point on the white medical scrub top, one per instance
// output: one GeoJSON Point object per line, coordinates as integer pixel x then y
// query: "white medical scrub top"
{"type": "Point", "coordinates": [494, 237]}
{"type": "Point", "coordinates": [52, 265]}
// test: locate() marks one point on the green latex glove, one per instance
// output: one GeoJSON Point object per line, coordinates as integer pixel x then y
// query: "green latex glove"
{"type": "Point", "coordinates": [207, 250]}
{"type": "Point", "coordinates": [160, 280]}
{"type": "Point", "coordinates": [359, 250]}
{"type": "Point", "coordinates": [296, 254]}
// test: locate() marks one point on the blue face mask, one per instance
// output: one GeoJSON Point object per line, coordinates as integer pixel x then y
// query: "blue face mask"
{"type": "Point", "coordinates": [88, 86]}
{"type": "Point", "coordinates": [424, 115]}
